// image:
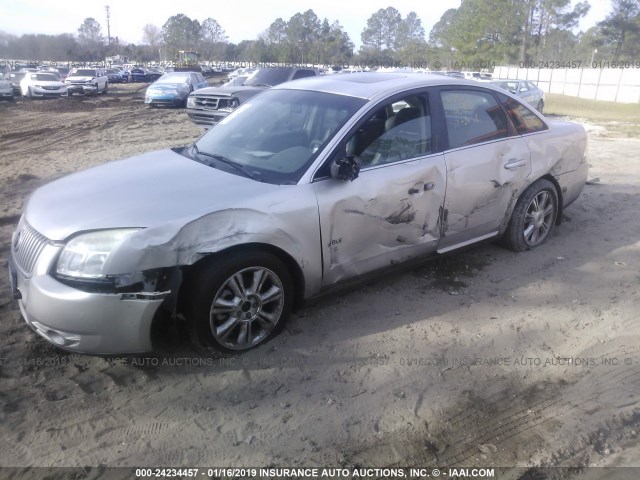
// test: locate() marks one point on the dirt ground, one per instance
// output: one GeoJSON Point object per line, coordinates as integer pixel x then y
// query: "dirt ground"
{"type": "Point", "coordinates": [485, 358]}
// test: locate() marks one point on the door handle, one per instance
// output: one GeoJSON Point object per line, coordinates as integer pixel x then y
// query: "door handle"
{"type": "Point", "coordinates": [515, 163]}
{"type": "Point", "coordinates": [416, 189]}
{"type": "Point", "coordinates": [425, 188]}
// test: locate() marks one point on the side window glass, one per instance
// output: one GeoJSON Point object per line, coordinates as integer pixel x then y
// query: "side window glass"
{"type": "Point", "coordinates": [522, 117]}
{"type": "Point", "coordinates": [473, 117]}
{"type": "Point", "coordinates": [397, 131]}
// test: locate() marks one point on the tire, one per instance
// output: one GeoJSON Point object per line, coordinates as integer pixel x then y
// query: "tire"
{"type": "Point", "coordinates": [106, 87]}
{"type": "Point", "coordinates": [533, 217]}
{"type": "Point", "coordinates": [540, 106]}
{"type": "Point", "coordinates": [29, 94]}
{"type": "Point", "coordinates": [253, 295]}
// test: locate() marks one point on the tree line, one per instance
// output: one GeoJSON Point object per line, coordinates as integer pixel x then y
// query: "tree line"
{"type": "Point", "coordinates": [483, 31]}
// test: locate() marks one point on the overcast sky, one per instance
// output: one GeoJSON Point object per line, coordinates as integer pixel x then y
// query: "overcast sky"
{"type": "Point", "coordinates": [242, 20]}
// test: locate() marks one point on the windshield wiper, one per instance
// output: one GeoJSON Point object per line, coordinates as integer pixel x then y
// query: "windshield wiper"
{"type": "Point", "coordinates": [257, 85]}
{"type": "Point", "coordinates": [226, 161]}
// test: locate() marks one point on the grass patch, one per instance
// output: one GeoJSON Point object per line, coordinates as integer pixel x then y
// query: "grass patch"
{"type": "Point", "coordinates": [620, 118]}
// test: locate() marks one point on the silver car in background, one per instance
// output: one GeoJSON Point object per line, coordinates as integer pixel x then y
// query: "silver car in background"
{"type": "Point", "coordinates": [42, 85]}
{"type": "Point", "coordinates": [305, 186]}
{"type": "Point", "coordinates": [523, 89]}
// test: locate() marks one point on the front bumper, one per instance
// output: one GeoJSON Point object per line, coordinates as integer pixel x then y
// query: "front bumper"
{"type": "Point", "coordinates": [79, 321]}
{"type": "Point", "coordinates": [81, 88]}
{"type": "Point", "coordinates": [40, 92]}
{"type": "Point", "coordinates": [206, 118]}
{"type": "Point", "coordinates": [172, 100]}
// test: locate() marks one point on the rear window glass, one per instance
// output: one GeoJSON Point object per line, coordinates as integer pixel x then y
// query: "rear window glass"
{"type": "Point", "coordinates": [522, 117]}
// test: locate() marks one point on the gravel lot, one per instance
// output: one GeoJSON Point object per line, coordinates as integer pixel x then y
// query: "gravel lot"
{"type": "Point", "coordinates": [485, 358]}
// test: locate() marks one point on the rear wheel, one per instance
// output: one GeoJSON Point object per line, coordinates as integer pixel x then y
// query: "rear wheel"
{"type": "Point", "coordinates": [533, 217]}
{"type": "Point", "coordinates": [238, 302]}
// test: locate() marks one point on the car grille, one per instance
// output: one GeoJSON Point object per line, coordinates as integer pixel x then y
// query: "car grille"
{"type": "Point", "coordinates": [209, 102]}
{"type": "Point", "coordinates": [50, 88]}
{"type": "Point", "coordinates": [27, 248]}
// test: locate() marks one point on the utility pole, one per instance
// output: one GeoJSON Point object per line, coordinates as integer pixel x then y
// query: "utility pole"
{"type": "Point", "coordinates": [106, 7]}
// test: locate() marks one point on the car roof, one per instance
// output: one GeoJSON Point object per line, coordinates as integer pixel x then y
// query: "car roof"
{"type": "Point", "coordinates": [371, 85]}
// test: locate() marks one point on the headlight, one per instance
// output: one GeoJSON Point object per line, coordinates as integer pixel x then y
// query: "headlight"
{"type": "Point", "coordinates": [86, 255]}
{"type": "Point", "coordinates": [191, 102]}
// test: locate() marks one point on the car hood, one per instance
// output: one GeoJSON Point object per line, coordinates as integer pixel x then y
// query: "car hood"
{"type": "Point", "coordinates": [148, 190]}
{"type": "Point", "coordinates": [46, 84]}
{"type": "Point", "coordinates": [227, 91]}
{"type": "Point", "coordinates": [80, 79]}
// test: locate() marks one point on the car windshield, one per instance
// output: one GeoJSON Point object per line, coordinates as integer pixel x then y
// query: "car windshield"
{"type": "Point", "coordinates": [276, 135]}
{"type": "Point", "coordinates": [173, 78]}
{"type": "Point", "coordinates": [44, 77]}
{"type": "Point", "coordinates": [113, 71]}
{"type": "Point", "coordinates": [268, 76]}
{"type": "Point", "coordinates": [85, 73]}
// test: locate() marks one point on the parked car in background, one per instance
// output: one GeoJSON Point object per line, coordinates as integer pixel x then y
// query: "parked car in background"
{"type": "Point", "coordinates": [6, 90]}
{"type": "Point", "coordinates": [236, 81]}
{"type": "Point", "coordinates": [173, 88]}
{"type": "Point", "coordinates": [153, 74]}
{"type": "Point", "coordinates": [524, 89]}
{"type": "Point", "coordinates": [52, 70]}
{"type": "Point", "coordinates": [208, 106]}
{"type": "Point", "coordinates": [306, 186]}
{"type": "Point", "coordinates": [241, 71]}
{"type": "Point", "coordinates": [471, 75]}
{"type": "Point", "coordinates": [87, 80]}
{"type": "Point", "coordinates": [42, 85]}
{"type": "Point", "coordinates": [14, 79]}
{"type": "Point", "coordinates": [138, 75]}
{"type": "Point", "coordinates": [63, 71]}
{"type": "Point", "coordinates": [116, 76]}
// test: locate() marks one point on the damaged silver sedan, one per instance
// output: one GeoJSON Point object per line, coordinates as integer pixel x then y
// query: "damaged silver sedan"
{"type": "Point", "coordinates": [305, 186]}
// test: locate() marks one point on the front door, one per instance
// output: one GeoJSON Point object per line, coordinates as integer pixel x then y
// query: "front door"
{"type": "Point", "coordinates": [390, 213]}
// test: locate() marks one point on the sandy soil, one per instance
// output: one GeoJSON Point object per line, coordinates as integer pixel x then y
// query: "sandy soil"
{"type": "Point", "coordinates": [485, 358]}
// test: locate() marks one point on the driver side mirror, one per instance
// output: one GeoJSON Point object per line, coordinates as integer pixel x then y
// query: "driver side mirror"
{"type": "Point", "coordinates": [346, 168]}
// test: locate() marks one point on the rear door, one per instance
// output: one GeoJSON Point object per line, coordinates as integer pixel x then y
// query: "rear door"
{"type": "Point", "coordinates": [487, 163]}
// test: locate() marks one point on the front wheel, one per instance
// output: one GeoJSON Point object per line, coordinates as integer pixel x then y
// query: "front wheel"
{"type": "Point", "coordinates": [106, 87]}
{"type": "Point", "coordinates": [533, 217]}
{"type": "Point", "coordinates": [540, 106]}
{"type": "Point", "coordinates": [238, 302]}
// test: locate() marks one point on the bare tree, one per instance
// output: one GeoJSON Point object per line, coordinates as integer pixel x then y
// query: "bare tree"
{"type": "Point", "coordinates": [151, 35]}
